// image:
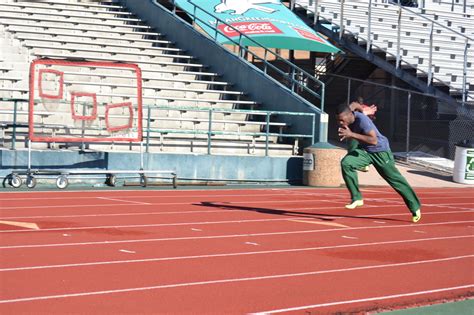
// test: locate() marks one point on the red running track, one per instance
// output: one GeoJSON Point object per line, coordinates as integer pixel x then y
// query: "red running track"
{"type": "Point", "coordinates": [232, 251]}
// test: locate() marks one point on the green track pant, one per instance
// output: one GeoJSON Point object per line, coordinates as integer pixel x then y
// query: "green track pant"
{"type": "Point", "coordinates": [352, 145]}
{"type": "Point", "coordinates": [384, 163]}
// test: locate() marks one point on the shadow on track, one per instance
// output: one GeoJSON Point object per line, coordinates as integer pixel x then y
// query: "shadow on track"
{"type": "Point", "coordinates": [296, 214]}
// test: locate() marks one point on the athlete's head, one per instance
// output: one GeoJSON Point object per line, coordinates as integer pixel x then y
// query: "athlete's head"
{"type": "Point", "coordinates": [344, 115]}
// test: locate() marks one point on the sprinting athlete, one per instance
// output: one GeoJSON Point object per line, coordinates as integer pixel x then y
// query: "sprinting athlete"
{"type": "Point", "coordinates": [373, 149]}
{"type": "Point", "coordinates": [367, 110]}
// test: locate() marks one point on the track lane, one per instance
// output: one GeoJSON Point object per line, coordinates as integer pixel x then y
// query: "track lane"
{"type": "Point", "coordinates": [266, 290]}
{"type": "Point", "coordinates": [165, 224]}
{"type": "Point", "coordinates": [228, 291]}
{"type": "Point", "coordinates": [188, 242]}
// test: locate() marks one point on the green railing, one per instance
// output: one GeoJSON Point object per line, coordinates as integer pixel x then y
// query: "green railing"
{"type": "Point", "coordinates": [211, 132]}
{"type": "Point", "coordinates": [149, 129]}
{"type": "Point", "coordinates": [298, 81]}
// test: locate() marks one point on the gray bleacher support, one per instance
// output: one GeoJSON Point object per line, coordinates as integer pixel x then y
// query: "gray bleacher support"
{"type": "Point", "coordinates": [245, 76]}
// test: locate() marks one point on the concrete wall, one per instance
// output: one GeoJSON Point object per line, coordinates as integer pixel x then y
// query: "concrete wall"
{"type": "Point", "coordinates": [243, 75]}
{"type": "Point", "coordinates": [186, 165]}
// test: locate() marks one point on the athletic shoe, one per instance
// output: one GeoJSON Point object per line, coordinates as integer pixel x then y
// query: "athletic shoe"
{"type": "Point", "coordinates": [355, 204]}
{"type": "Point", "coordinates": [417, 216]}
{"type": "Point", "coordinates": [364, 169]}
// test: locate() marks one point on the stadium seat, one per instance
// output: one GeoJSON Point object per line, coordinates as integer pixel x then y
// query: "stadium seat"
{"type": "Point", "coordinates": [101, 31]}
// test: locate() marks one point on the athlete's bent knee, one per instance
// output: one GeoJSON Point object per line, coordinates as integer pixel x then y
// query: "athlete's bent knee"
{"type": "Point", "coordinates": [346, 163]}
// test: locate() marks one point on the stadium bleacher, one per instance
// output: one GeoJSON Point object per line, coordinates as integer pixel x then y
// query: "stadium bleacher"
{"type": "Point", "coordinates": [451, 35]}
{"type": "Point", "coordinates": [98, 31]}
{"type": "Point", "coordinates": [454, 6]}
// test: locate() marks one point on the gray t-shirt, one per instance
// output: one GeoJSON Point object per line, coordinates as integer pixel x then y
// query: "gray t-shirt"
{"type": "Point", "coordinates": [363, 125]}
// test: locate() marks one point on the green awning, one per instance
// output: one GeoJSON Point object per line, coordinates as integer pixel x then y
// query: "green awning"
{"type": "Point", "coordinates": [267, 22]}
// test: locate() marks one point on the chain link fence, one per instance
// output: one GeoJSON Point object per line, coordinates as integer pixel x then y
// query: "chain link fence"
{"type": "Point", "coordinates": [417, 125]}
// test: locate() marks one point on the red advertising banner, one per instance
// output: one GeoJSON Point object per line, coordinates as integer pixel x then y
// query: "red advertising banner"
{"type": "Point", "coordinates": [250, 28]}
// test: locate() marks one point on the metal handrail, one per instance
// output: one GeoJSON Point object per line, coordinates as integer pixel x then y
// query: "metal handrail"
{"type": "Point", "coordinates": [210, 131]}
{"type": "Point", "coordinates": [418, 14]}
{"type": "Point", "coordinates": [468, 41]}
{"type": "Point", "coordinates": [464, 6]}
{"type": "Point", "coordinates": [225, 110]}
{"type": "Point", "coordinates": [277, 57]}
{"type": "Point", "coordinates": [398, 57]}
{"type": "Point", "coordinates": [385, 86]}
{"type": "Point", "coordinates": [434, 22]}
{"type": "Point", "coordinates": [357, 35]}
{"type": "Point", "coordinates": [148, 129]}
{"type": "Point", "coordinates": [294, 70]}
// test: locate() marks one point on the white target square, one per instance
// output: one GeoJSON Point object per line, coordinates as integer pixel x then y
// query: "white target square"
{"type": "Point", "coordinates": [83, 106]}
{"type": "Point", "coordinates": [119, 116]}
{"type": "Point", "coordinates": [51, 84]}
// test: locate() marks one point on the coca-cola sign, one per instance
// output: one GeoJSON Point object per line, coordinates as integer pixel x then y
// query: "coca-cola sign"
{"type": "Point", "coordinates": [249, 28]}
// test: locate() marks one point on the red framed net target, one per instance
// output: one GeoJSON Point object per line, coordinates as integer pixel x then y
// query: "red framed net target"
{"type": "Point", "coordinates": [85, 101]}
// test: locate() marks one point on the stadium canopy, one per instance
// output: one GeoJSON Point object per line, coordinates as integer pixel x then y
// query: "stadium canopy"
{"type": "Point", "coordinates": [268, 22]}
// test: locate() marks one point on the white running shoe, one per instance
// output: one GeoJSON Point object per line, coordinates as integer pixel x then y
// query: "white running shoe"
{"type": "Point", "coordinates": [355, 204]}
{"type": "Point", "coordinates": [417, 216]}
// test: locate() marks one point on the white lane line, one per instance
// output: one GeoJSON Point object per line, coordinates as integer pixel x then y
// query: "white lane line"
{"type": "Point", "coordinates": [330, 192]}
{"type": "Point", "coordinates": [266, 252]}
{"type": "Point", "coordinates": [228, 236]}
{"type": "Point", "coordinates": [451, 207]}
{"type": "Point", "coordinates": [120, 214]}
{"type": "Point", "coordinates": [458, 191]}
{"type": "Point", "coordinates": [231, 280]}
{"type": "Point", "coordinates": [322, 216]}
{"type": "Point", "coordinates": [425, 198]}
{"type": "Point", "coordinates": [66, 206]}
{"type": "Point", "coordinates": [121, 200]}
{"type": "Point", "coordinates": [26, 225]}
{"type": "Point", "coordinates": [148, 196]}
{"type": "Point", "coordinates": [423, 204]}
{"type": "Point", "coordinates": [288, 217]}
{"type": "Point", "coordinates": [147, 225]}
{"type": "Point", "coordinates": [377, 298]}
{"type": "Point", "coordinates": [375, 191]}
{"type": "Point", "coordinates": [251, 243]}
{"type": "Point", "coordinates": [127, 251]}
{"type": "Point", "coordinates": [447, 204]}
{"type": "Point", "coordinates": [350, 237]}
{"type": "Point", "coordinates": [433, 190]}
{"type": "Point", "coordinates": [248, 203]}
{"type": "Point", "coordinates": [315, 193]}
{"type": "Point", "coordinates": [196, 230]}
{"type": "Point", "coordinates": [172, 196]}
{"type": "Point", "coordinates": [318, 222]}
{"type": "Point", "coordinates": [381, 222]}
{"type": "Point", "coordinates": [421, 191]}
{"type": "Point", "coordinates": [396, 201]}
{"type": "Point", "coordinates": [422, 232]}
